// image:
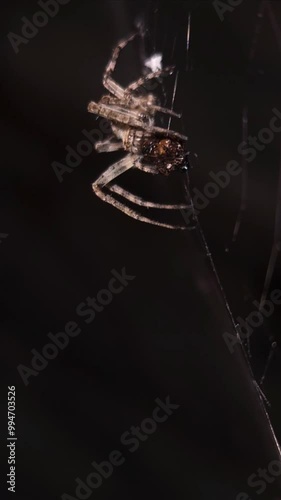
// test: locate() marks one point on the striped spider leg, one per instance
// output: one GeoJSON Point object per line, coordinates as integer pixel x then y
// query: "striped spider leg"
{"type": "Point", "coordinates": [118, 168]}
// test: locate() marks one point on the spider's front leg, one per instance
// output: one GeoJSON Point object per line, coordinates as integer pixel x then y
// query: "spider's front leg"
{"type": "Point", "coordinates": [131, 118]}
{"type": "Point", "coordinates": [142, 81]}
{"type": "Point", "coordinates": [118, 114]}
{"type": "Point", "coordinates": [108, 82]}
{"type": "Point", "coordinates": [150, 76]}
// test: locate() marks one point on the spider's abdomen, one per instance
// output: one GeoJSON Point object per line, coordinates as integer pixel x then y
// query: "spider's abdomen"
{"type": "Point", "coordinates": [166, 154]}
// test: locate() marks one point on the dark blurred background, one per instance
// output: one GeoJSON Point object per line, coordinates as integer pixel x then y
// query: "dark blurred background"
{"type": "Point", "coordinates": [163, 335]}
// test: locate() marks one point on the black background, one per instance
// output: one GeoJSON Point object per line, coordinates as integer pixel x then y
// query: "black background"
{"type": "Point", "coordinates": [163, 334]}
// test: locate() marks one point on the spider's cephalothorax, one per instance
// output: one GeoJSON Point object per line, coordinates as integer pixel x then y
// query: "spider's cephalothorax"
{"type": "Point", "coordinates": [149, 148]}
{"type": "Point", "coordinates": [166, 154]}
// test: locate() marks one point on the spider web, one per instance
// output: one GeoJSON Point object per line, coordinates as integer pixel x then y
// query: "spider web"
{"type": "Point", "coordinates": [142, 24]}
{"type": "Point", "coordinates": [264, 11]}
{"type": "Point", "coordinates": [149, 22]}
{"type": "Point", "coordinates": [264, 14]}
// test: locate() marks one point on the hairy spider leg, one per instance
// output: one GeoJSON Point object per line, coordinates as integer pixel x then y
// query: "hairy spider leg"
{"type": "Point", "coordinates": [108, 145]}
{"type": "Point", "coordinates": [150, 76]}
{"type": "Point", "coordinates": [137, 200]}
{"type": "Point", "coordinates": [108, 82]}
{"type": "Point", "coordinates": [131, 118]}
{"type": "Point", "coordinates": [167, 111]}
{"type": "Point", "coordinates": [107, 99]}
{"type": "Point", "coordinates": [118, 91]}
{"type": "Point", "coordinates": [163, 131]}
{"type": "Point", "coordinates": [118, 114]}
{"type": "Point", "coordinates": [148, 169]}
{"type": "Point", "coordinates": [108, 176]}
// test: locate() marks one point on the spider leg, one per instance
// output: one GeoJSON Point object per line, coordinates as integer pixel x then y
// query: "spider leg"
{"type": "Point", "coordinates": [150, 76]}
{"type": "Point", "coordinates": [115, 170]}
{"type": "Point", "coordinates": [115, 53]}
{"type": "Point", "coordinates": [137, 200]}
{"type": "Point", "coordinates": [146, 168]}
{"type": "Point", "coordinates": [118, 114]}
{"type": "Point", "coordinates": [167, 111]}
{"type": "Point", "coordinates": [108, 145]}
{"type": "Point", "coordinates": [113, 87]}
{"type": "Point", "coordinates": [111, 173]}
{"type": "Point", "coordinates": [130, 117]}
{"type": "Point", "coordinates": [109, 100]}
{"type": "Point", "coordinates": [166, 132]}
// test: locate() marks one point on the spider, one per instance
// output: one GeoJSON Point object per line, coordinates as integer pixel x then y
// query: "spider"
{"type": "Point", "coordinates": [149, 148]}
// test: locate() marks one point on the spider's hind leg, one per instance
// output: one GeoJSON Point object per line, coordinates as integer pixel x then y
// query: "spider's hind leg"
{"type": "Point", "coordinates": [137, 200]}
{"type": "Point", "coordinates": [108, 176]}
